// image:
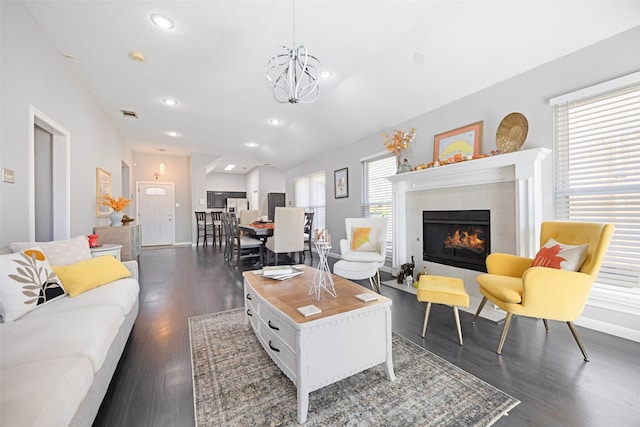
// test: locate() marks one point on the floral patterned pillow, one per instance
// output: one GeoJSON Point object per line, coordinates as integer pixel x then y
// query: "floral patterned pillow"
{"type": "Point", "coordinates": [558, 255]}
{"type": "Point", "coordinates": [27, 282]}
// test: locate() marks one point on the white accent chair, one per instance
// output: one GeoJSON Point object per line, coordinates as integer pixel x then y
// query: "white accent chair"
{"type": "Point", "coordinates": [288, 233]}
{"type": "Point", "coordinates": [363, 264]}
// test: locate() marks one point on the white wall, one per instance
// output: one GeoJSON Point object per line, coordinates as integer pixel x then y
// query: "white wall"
{"type": "Point", "coordinates": [226, 182]}
{"type": "Point", "coordinates": [272, 180]}
{"type": "Point", "coordinates": [34, 73]}
{"type": "Point", "coordinates": [528, 93]}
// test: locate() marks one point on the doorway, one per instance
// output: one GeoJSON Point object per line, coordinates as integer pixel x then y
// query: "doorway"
{"type": "Point", "coordinates": [52, 216]}
{"type": "Point", "coordinates": [43, 176]}
{"type": "Point", "coordinates": [155, 209]}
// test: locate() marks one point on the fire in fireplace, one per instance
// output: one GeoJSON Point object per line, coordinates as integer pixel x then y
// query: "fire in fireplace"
{"type": "Point", "coordinates": [457, 238]}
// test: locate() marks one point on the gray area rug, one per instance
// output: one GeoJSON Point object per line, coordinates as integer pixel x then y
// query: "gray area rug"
{"type": "Point", "coordinates": [235, 383]}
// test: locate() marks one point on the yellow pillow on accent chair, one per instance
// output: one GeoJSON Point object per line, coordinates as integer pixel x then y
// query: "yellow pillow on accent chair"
{"type": "Point", "coordinates": [86, 275]}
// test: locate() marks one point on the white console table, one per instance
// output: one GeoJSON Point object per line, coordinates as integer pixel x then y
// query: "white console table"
{"type": "Point", "coordinates": [348, 337]}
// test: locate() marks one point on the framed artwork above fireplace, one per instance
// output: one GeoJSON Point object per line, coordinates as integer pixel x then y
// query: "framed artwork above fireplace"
{"type": "Point", "coordinates": [464, 141]}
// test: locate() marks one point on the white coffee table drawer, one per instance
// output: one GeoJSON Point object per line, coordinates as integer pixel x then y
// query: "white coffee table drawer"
{"type": "Point", "coordinates": [280, 353]}
{"type": "Point", "coordinates": [278, 327]}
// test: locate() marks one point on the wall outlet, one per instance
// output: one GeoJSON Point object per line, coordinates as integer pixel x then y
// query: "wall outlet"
{"type": "Point", "coordinates": [177, 205]}
{"type": "Point", "coordinates": [8, 176]}
{"type": "Point", "coordinates": [201, 202]}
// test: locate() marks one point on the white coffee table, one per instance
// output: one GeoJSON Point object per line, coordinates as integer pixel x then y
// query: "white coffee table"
{"type": "Point", "coordinates": [348, 337]}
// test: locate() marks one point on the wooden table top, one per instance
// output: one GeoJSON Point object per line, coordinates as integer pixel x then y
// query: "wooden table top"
{"type": "Point", "coordinates": [288, 295]}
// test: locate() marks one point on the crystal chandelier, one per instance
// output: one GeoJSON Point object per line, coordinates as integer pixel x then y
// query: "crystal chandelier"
{"type": "Point", "coordinates": [294, 73]}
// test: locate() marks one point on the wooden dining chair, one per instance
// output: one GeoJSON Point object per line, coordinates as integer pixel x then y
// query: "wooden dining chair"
{"type": "Point", "coordinates": [243, 247]}
{"type": "Point", "coordinates": [202, 228]}
{"type": "Point", "coordinates": [218, 227]}
{"type": "Point", "coordinates": [308, 227]}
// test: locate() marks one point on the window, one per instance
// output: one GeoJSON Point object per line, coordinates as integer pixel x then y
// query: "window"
{"type": "Point", "coordinates": [376, 192]}
{"type": "Point", "coordinates": [155, 191]}
{"type": "Point", "coordinates": [310, 195]}
{"type": "Point", "coordinates": [596, 155]}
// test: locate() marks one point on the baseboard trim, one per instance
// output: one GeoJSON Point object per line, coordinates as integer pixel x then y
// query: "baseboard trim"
{"type": "Point", "coordinates": [609, 328]}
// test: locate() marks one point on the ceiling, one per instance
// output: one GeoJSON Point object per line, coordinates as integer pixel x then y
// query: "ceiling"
{"type": "Point", "coordinates": [213, 64]}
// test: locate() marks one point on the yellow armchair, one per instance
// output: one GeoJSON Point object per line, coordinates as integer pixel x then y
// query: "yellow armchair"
{"type": "Point", "coordinates": [547, 293]}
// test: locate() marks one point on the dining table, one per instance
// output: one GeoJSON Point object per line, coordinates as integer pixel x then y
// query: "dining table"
{"type": "Point", "coordinates": [259, 230]}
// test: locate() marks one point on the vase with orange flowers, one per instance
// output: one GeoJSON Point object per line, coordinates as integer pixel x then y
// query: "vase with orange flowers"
{"type": "Point", "coordinates": [117, 205]}
{"type": "Point", "coordinates": [398, 143]}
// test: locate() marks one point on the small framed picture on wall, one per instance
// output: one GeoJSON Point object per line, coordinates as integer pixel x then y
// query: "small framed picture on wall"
{"type": "Point", "coordinates": [341, 183]}
{"type": "Point", "coordinates": [103, 188]}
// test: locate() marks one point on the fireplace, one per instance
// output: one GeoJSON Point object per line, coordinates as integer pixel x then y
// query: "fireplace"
{"type": "Point", "coordinates": [458, 238]}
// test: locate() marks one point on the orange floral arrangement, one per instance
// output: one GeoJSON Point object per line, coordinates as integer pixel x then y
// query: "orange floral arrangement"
{"type": "Point", "coordinates": [116, 204]}
{"type": "Point", "coordinates": [399, 142]}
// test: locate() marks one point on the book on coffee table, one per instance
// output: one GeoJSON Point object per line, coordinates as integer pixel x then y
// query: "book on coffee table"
{"type": "Point", "coordinates": [281, 274]}
{"type": "Point", "coordinates": [276, 270]}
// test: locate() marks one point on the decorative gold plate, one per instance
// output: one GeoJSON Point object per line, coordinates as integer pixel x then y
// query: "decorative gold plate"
{"type": "Point", "coordinates": [512, 133]}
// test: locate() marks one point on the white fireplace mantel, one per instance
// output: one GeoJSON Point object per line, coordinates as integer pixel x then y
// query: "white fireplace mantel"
{"type": "Point", "coordinates": [524, 167]}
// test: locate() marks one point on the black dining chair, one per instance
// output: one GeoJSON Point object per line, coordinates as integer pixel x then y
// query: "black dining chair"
{"type": "Point", "coordinates": [218, 226]}
{"type": "Point", "coordinates": [308, 227]}
{"type": "Point", "coordinates": [241, 246]}
{"type": "Point", "coordinates": [202, 228]}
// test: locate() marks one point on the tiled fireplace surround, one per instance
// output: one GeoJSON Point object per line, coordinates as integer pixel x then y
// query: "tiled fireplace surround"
{"type": "Point", "coordinates": [507, 184]}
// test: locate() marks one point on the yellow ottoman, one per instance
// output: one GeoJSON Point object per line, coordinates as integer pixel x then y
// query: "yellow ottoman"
{"type": "Point", "coordinates": [442, 290]}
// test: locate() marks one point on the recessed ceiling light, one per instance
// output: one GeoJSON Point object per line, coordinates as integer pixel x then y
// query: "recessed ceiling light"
{"type": "Point", "coordinates": [173, 133]}
{"type": "Point", "coordinates": [251, 144]}
{"type": "Point", "coordinates": [326, 74]}
{"type": "Point", "coordinates": [229, 167]}
{"type": "Point", "coordinates": [162, 21]}
{"type": "Point", "coordinates": [275, 122]}
{"type": "Point", "coordinates": [170, 101]}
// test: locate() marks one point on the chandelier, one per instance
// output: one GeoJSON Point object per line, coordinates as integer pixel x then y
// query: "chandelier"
{"type": "Point", "coordinates": [294, 73]}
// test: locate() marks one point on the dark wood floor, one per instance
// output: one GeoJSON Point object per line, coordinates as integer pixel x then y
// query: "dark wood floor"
{"type": "Point", "coordinates": [153, 386]}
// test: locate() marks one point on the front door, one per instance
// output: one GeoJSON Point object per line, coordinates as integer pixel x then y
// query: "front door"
{"type": "Point", "coordinates": [155, 213]}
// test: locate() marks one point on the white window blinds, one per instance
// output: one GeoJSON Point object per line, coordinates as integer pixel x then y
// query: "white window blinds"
{"type": "Point", "coordinates": [376, 192]}
{"type": "Point", "coordinates": [310, 194]}
{"type": "Point", "coordinates": [597, 164]}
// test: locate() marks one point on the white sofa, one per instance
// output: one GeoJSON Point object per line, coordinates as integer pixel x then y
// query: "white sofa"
{"type": "Point", "coordinates": [56, 362]}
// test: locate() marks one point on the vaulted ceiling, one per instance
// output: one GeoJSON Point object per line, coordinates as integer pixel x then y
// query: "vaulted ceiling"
{"type": "Point", "coordinates": [390, 60]}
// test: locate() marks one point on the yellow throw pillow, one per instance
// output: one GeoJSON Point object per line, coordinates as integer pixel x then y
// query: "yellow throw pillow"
{"type": "Point", "coordinates": [361, 240]}
{"type": "Point", "coordinates": [86, 275]}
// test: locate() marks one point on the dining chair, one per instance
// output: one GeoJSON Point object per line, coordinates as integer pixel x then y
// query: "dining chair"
{"type": "Point", "coordinates": [202, 226]}
{"type": "Point", "coordinates": [308, 227]}
{"type": "Point", "coordinates": [288, 233]}
{"type": "Point", "coordinates": [226, 224]}
{"type": "Point", "coordinates": [243, 247]}
{"type": "Point", "coordinates": [218, 227]}
{"type": "Point", "coordinates": [248, 216]}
